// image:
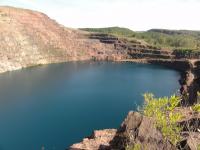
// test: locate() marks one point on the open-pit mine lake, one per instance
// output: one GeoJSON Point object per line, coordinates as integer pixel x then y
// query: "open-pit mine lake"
{"type": "Point", "coordinates": [53, 106]}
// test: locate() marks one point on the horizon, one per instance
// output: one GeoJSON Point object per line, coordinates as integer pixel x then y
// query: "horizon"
{"type": "Point", "coordinates": [145, 14]}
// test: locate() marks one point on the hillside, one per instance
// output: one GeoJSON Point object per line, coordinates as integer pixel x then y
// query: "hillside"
{"type": "Point", "coordinates": [29, 38]}
{"type": "Point", "coordinates": [161, 38]}
{"type": "Point", "coordinates": [112, 30]}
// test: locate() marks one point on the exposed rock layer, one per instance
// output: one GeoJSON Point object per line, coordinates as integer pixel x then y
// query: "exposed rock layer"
{"type": "Point", "coordinates": [140, 130]}
{"type": "Point", "coordinates": [29, 38]}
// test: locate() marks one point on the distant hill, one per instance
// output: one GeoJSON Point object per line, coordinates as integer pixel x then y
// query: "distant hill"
{"type": "Point", "coordinates": [112, 30]}
{"type": "Point", "coordinates": [174, 32]}
{"type": "Point", "coordinates": [161, 38]}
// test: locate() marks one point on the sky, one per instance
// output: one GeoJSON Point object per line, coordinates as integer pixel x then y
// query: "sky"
{"type": "Point", "coordinates": [138, 15]}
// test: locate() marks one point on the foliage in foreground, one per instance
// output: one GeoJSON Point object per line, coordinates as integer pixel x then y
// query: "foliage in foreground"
{"type": "Point", "coordinates": [163, 111]}
{"type": "Point", "coordinates": [196, 107]}
{"type": "Point", "coordinates": [166, 117]}
{"type": "Point", "coordinates": [198, 148]}
{"type": "Point", "coordinates": [135, 147]}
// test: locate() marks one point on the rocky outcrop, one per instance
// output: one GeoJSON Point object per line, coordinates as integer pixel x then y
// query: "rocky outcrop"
{"type": "Point", "coordinates": [139, 130]}
{"type": "Point", "coordinates": [190, 129]}
{"type": "Point", "coordinates": [134, 130]}
{"type": "Point", "coordinates": [190, 83]}
{"type": "Point", "coordinates": [98, 140]}
{"type": "Point", "coordinates": [193, 141]}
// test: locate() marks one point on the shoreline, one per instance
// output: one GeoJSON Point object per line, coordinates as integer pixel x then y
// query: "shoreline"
{"type": "Point", "coordinates": [187, 68]}
{"type": "Point", "coordinates": [108, 138]}
{"type": "Point", "coordinates": [189, 75]}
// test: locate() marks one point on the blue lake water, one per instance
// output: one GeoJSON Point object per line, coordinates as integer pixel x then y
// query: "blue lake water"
{"type": "Point", "coordinates": [50, 107]}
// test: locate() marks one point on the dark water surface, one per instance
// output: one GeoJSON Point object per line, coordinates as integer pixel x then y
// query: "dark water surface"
{"type": "Point", "coordinates": [50, 107]}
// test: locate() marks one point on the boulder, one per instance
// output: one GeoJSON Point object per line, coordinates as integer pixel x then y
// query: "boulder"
{"type": "Point", "coordinates": [98, 140]}
{"type": "Point", "coordinates": [140, 130]}
{"type": "Point", "coordinates": [193, 141]}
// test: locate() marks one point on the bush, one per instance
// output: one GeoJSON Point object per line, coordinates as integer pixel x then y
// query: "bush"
{"type": "Point", "coordinates": [196, 107]}
{"type": "Point", "coordinates": [163, 111]}
{"type": "Point", "coordinates": [135, 147]}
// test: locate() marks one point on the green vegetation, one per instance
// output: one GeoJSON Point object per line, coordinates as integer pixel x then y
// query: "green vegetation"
{"type": "Point", "coordinates": [166, 115]}
{"type": "Point", "coordinates": [198, 147]}
{"type": "Point", "coordinates": [196, 107]}
{"type": "Point", "coordinates": [117, 31]}
{"type": "Point", "coordinates": [171, 39]}
{"type": "Point", "coordinates": [167, 39]}
{"type": "Point", "coordinates": [163, 111]}
{"type": "Point", "coordinates": [135, 147]}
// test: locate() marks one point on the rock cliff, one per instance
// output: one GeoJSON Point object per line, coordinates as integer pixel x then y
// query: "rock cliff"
{"type": "Point", "coordinates": [29, 38]}
{"type": "Point", "coordinates": [140, 130]}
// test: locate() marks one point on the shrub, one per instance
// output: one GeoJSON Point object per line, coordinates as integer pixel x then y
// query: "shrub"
{"type": "Point", "coordinates": [163, 111]}
{"type": "Point", "coordinates": [135, 147]}
{"type": "Point", "coordinates": [196, 107]}
{"type": "Point", "coordinates": [198, 147]}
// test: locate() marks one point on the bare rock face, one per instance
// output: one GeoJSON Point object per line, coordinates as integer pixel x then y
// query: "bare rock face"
{"type": "Point", "coordinates": [193, 141]}
{"type": "Point", "coordinates": [99, 140]}
{"type": "Point", "coordinates": [190, 124]}
{"type": "Point", "coordinates": [140, 130]}
{"type": "Point", "coordinates": [29, 38]}
{"type": "Point", "coordinates": [136, 129]}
